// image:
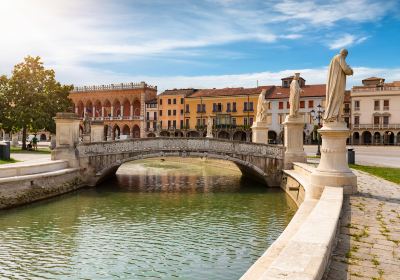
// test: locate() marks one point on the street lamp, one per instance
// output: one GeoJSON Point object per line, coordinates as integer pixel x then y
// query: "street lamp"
{"type": "Point", "coordinates": [317, 116]}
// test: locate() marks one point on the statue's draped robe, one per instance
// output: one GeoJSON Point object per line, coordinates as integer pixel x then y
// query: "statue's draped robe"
{"type": "Point", "coordinates": [294, 98]}
{"type": "Point", "coordinates": [262, 108]}
{"type": "Point", "coordinates": [335, 87]}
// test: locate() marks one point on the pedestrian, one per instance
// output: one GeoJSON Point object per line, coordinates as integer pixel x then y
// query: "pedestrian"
{"type": "Point", "coordinates": [34, 141]}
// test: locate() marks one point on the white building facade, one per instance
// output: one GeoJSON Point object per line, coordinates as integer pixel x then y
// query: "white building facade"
{"type": "Point", "coordinates": [312, 96]}
{"type": "Point", "coordinates": [376, 112]}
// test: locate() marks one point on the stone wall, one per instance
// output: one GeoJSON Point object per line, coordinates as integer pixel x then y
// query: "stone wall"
{"type": "Point", "coordinates": [21, 190]}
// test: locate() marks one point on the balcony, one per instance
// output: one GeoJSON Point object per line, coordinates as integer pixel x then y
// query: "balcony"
{"type": "Point", "coordinates": [373, 89]}
{"type": "Point", "coordinates": [116, 118]}
{"type": "Point", "coordinates": [385, 108]}
{"type": "Point", "coordinates": [248, 110]}
{"type": "Point", "coordinates": [375, 126]}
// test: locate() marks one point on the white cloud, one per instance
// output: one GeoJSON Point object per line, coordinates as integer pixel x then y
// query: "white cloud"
{"type": "Point", "coordinates": [345, 41]}
{"type": "Point", "coordinates": [328, 13]}
{"type": "Point", "coordinates": [86, 76]}
{"type": "Point", "coordinates": [76, 36]}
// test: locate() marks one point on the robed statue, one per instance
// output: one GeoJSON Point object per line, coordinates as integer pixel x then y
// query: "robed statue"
{"type": "Point", "coordinates": [336, 86]}
{"type": "Point", "coordinates": [86, 124]}
{"type": "Point", "coordinates": [209, 127]}
{"type": "Point", "coordinates": [294, 98]}
{"type": "Point", "coordinates": [262, 107]}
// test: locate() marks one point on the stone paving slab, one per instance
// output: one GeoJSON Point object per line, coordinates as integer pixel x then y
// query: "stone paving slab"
{"type": "Point", "coordinates": [369, 240]}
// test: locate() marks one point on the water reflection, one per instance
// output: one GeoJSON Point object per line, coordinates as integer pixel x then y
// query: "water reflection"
{"type": "Point", "coordinates": [167, 220]}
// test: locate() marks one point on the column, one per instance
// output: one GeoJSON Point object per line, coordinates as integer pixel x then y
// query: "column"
{"type": "Point", "coordinates": [84, 111]}
{"type": "Point", "coordinates": [112, 112]}
{"type": "Point", "coordinates": [102, 112]}
{"type": "Point", "coordinates": [76, 110]}
{"type": "Point", "coordinates": [122, 111]}
{"type": "Point", "coordinates": [131, 111]}
{"type": "Point", "coordinates": [94, 112]}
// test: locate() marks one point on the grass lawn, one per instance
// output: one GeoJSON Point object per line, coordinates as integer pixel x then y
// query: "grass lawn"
{"type": "Point", "coordinates": [390, 174]}
{"type": "Point", "coordinates": [40, 150]}
{"type": "Point", "coordinates": [314, 156]}
{"type": "Point", "coordinates": [11, 160]}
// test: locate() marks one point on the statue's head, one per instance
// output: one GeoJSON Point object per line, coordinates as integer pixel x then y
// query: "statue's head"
{"type": "Point", "coordinates": [344, 52]}
{"type": "Point", "coordinates": [296, 76]}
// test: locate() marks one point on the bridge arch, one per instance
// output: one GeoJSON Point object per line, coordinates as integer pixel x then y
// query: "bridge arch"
{"type": "Point", "coordinates": [261, 161]}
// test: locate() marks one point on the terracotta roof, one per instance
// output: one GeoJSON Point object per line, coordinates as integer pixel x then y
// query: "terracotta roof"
{"type": "Point", "coordinates": [309, 91]}
{"type": "Point", "coordinates": [183, 91]}
{"type": "Point", "coordinates": [229, 91]}
{"type": "Point", "coordinates": [372, 79]}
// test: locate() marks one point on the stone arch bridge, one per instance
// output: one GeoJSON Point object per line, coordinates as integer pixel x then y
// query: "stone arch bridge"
{"type": "Point", "coordinates": [101, 159]}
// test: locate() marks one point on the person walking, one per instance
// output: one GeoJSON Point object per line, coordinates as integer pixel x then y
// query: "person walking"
{"type": "Point", "coordinates": [34, 141]}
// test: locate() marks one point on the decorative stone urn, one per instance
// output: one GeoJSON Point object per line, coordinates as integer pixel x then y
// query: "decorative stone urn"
{"type": "Point", "coordinates": [293, 141]}
{"type": "Point", "coordinates": [333, 169]}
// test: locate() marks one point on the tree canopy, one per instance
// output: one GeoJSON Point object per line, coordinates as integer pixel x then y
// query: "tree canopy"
{"type": "Point", "coordinates": [32, 97]}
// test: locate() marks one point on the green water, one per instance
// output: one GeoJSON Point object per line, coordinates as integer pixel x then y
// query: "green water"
{"type": "Point", "coordinates": [155, 220]}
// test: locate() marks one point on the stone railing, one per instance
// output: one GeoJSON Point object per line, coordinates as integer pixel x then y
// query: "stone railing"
{"type": "Point", "coordinates": [121, 86]}
{"type": "Point", "coordinates": [139, 118]}
{"type": "Point", "coordinates": [373, 89]}
{"type": "Point", "coordinates": [182, 144]}
{"type": "Point", "coordinates": [375, 126]}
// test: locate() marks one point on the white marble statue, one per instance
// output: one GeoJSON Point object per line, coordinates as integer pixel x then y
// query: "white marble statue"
{"type": "Point", "coordinates": [209, 127]}
{"type": "Point", "coordinates": [294, 98]}
{"type": "Point", "coordinates": [262, 107]}
{"type": "Point", "coordinates": [335, 86]}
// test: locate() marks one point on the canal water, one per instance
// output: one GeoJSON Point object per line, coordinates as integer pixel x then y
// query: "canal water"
{"type": "Point", "coordinates": [172, 219]}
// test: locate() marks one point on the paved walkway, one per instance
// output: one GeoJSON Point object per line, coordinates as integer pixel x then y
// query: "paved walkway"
{"type": "Point", "coordinates": [30, 157]}
{"type": "Point", "coordinates": [369, 238]}
{"type": "Point", "coordinates": [388, 156]}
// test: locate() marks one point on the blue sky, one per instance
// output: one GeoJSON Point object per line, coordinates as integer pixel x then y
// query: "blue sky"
{"type": "Point", "coordinates": [219, 43]}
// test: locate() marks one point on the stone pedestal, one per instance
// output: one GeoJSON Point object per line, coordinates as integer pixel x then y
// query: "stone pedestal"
{"type": "Point", "coordinates": [293, 141]}
{"type": "Point", "coordinates": [67, 128]}
{"type": "Point", "coordinates": [86, 138]}
{"type": "Point", "coordinates": [260, 132]}
{"type": "Point", "coordinates": [14, 140]}
{"type": "Point", "coordinates": [97, 131]}
{"type": "Point", "coordinates": [333, 169]}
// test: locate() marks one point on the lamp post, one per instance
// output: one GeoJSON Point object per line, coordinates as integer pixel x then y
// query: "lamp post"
{"type": "Point", "coordinates": [317, 116]}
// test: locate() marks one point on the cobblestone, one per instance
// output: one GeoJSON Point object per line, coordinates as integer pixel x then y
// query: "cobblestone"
{"type": "Point", "coordinates": [369, 239]}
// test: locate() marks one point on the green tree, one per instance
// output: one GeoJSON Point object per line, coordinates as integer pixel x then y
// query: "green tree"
{"type": "Point", "coordinates": [34, 96]}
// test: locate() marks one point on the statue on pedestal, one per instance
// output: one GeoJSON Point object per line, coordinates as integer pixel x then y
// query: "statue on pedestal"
{"type": "Point", "coordinates": [262, 107]}
{"type": "Point", "coordinates": [86, 124]}
{"type": "Point", "coordinates": [294, 98]}
{"type": "Point", "coordinates": [336, 86]}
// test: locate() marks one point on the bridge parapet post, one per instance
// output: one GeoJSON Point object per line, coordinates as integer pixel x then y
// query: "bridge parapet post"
{"type": "Point", "coordinates": [293, 141]}
{"type": "Point", "coordinates": [67, 137]}
{"type": "Point", "coordinates": [97, 131]}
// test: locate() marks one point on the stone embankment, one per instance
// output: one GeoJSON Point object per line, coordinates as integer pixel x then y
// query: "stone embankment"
{"type": "Point", "coordinates": [23, 183]}
{"type": "Point", "coordinates": [303, 250]}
